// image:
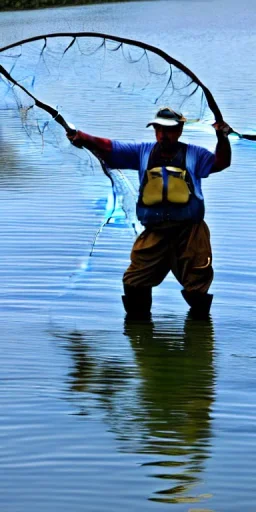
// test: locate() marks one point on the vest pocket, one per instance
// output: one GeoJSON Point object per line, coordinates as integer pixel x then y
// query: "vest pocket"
{"type": "Point", "coordinates": [165, 184]}
{"type": "Point", "coordinates": [152, 192]}
{"type": "Point", "coordinates": [177, 187]}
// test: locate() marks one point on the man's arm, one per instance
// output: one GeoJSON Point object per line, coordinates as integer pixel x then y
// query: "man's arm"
{"type": "Point", "coordinates": [116, 154]}
{"type": "Point", "coordinates": [223, 148]}
{"type": "Point", "coordinates": [97, 145]}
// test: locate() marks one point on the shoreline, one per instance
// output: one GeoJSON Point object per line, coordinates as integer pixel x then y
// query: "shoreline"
{"type": "Point", "coordinates": [25, 5]}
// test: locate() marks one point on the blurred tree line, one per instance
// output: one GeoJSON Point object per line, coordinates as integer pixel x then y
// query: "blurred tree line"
{"type": "Point", "coordinates": [13, 5]}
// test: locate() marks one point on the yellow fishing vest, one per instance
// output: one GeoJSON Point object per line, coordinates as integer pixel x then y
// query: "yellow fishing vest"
{"type": "Point", "coordinates": [165, 184]}
{"type": "Point", "coordinates": [168, 183]}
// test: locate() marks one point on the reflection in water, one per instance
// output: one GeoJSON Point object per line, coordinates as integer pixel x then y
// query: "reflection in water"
{"type": "Point", "coordinates": [175, 396]}
{"type": "Point", "coordinates": [157, 400]}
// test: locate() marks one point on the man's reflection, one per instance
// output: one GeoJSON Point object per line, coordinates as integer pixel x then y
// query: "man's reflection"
{"type": "Point", "coordinates": [175, 395]}
{"type": "Point", "coordinates": [158, 402]}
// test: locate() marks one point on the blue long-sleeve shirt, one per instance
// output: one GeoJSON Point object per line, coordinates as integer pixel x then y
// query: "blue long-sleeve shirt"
{"type": "Point", "coordinates": [127, 155]}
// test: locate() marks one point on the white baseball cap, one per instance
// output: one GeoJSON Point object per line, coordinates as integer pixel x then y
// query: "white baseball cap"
{"type": "Point", "coordinates": [167, 117]}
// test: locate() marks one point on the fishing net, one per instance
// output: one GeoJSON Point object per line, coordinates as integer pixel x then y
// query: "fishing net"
{"type": "Point", "coordinates": [106, 85]}
{"type": "Point", "coordinates": [94, 79]}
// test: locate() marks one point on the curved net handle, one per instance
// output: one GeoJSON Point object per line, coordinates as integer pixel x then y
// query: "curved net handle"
{"type": "Point", "coordinates": [144, 46]}
{"type": "Point", "coordinates": [209, 97]}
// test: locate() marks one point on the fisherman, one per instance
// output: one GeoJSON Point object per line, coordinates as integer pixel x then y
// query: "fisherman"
{"type": "Point", "coordinates": [171, 208]}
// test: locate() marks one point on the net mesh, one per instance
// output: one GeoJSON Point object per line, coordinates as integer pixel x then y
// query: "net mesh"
{"type": "Point", "coordinates": [106, 85]}
{"type": "Point", "coordinates": [94, 80]}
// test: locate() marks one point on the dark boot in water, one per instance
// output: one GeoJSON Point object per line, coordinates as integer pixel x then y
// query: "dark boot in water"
{"type": "Point", "coordinates": [137, 302]}
{"type": "Point", "coordinates": [200, 304]}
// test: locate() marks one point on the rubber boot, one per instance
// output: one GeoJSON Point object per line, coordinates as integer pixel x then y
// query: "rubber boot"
{"type": "Point", "coordinates": [200, 304]}
{"type": "Point", "coordinates": [137, 302]}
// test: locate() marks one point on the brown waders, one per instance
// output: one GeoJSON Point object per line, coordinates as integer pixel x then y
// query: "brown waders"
{"type": "Point", "coordinates": [182, 248]}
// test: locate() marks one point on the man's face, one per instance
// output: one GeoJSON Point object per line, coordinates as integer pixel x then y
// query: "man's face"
{"type": "Point", "coordinates": [166, 136]}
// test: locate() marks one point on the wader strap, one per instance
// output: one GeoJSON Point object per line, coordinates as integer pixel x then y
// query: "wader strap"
{"type": "Point", "coordinates": [179, 160]}
{"type": "Point", "coordinates": [165, 184]}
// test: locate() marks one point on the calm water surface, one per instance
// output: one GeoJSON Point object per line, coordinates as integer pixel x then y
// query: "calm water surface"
{"type": "Point", "coordinates": [96, 414]}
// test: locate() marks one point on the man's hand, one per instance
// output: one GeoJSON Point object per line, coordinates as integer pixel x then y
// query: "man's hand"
{"type": "Point", "coordinates": [76, 139]}
{"type": "Point", "coordinates": [222, 128]}
{"type": "Point", "coordinates": [223, 149]}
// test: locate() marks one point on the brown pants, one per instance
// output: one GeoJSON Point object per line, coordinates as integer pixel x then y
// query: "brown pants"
{"type": "Point", "coordinates": [183, 249]}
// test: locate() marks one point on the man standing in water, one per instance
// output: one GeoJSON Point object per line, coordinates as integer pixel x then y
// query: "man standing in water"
{"type": "Point", "coordinates": [171, 208]}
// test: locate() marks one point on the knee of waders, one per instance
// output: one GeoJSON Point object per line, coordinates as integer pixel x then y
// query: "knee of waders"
{"type": "Point", "coordinates": [200, 303]}
{"type": "Point", "coordinates": [137, 301]}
